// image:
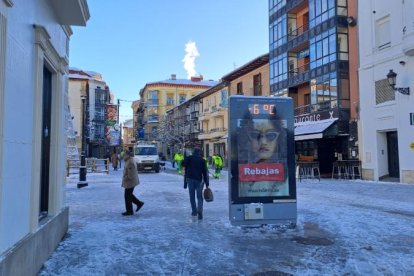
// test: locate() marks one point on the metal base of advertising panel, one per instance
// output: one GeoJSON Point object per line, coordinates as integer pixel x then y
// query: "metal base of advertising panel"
{"type": "Point", "coordinates": [263, 213]}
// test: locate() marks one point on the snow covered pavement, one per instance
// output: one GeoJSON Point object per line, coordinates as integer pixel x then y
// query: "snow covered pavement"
{"type": "Point", "coordinates": [344, 227]}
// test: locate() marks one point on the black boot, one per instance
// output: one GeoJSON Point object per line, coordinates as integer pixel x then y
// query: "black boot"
{"type": "Point", "coordinates": [139, 206]}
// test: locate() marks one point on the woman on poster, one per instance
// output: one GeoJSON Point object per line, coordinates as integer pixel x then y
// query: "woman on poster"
{"type": "Point", "coordinates": [263, 157]}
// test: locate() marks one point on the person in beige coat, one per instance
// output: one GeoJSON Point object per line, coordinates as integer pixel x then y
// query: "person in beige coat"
{"type": "Point", "coordinates": [129, 181]}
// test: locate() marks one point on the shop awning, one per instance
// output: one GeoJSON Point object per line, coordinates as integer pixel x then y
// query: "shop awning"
{"type": "Point", "coordinates": [312, 130]}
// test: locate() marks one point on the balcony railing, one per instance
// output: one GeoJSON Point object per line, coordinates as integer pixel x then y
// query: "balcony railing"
{"type": "Point", "coordinates": [194, 115]}
{"type": "Point", "coordinates": [299, 70]}
{"type": "Point", "coordinates": [153, 118]}
{"type": "Point", "coordinates": [218, 129]}
{"type": "Point", "coordinates": [311, 108]}
{"type": "Point", "coordinates": [298, 32]}
{"type": "Point", "coordinates": [152, 102]}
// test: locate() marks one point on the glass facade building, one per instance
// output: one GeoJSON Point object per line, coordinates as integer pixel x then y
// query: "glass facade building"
{"type": "Point", "coordinates": [310, 62]}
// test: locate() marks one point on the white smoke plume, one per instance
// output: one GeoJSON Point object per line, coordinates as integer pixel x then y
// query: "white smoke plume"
{"type": "Point", "coordinates": [189, 59]}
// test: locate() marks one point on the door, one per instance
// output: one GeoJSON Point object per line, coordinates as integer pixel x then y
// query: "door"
{"type": "Point", "coordinates": [45, 140]}
{"type": "Point", "coordinates": [393, 158]}
{"type": "Point", "coordinates": [326, 155]}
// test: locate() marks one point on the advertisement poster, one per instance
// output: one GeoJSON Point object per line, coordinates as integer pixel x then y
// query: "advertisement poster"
{"type": "Point", "coordinates": [112, 131]}
{"type": "Point", "coordinates": [262, 156]}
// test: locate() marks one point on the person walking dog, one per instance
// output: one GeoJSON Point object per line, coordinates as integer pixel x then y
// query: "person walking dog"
{"type": "Point", "coordinates": [195, 173]}
{"type": "Point", "coordinates": [129, 181]}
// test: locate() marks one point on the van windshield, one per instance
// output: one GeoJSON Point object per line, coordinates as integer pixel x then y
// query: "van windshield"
{"type": "Point", "coordinates": [145, 151]}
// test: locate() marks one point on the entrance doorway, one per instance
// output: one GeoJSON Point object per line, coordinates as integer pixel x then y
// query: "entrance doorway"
{"type": "Point", "coordinates": [45, 140]}
{"type": "Point", "coordinates": [393, 157]}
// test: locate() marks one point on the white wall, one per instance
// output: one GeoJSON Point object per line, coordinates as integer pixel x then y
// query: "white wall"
{"type": "Point", "coordinates": [18, 175]}
{"type": "Point", "coordinates": [374, 66]}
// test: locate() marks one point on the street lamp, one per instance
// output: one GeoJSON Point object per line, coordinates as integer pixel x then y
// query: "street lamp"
{"type": "Point", "coordinates": [392, 80]}
{"type": "Point", "coordinates": [82, 168]}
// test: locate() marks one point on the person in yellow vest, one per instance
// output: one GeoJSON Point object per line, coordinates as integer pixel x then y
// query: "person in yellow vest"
{"type": "Point", "coordinates": [178, 158]}
{"type": "Point", "coordinates": [218, 164]}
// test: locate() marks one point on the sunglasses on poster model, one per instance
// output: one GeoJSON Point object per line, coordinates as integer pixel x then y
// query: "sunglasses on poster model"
{"type": "Point", "coordinates": [257, 135]}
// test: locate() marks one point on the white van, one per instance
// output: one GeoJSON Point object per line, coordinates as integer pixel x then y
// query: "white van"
{"type": "Point", "coordinates": [146, 157]}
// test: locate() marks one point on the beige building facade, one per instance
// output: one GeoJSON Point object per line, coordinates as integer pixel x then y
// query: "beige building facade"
{"type": "Point", "coordinates": [158, 97]}
{"type": "Point", "coordinates": [213, 120]}
{"type": "Point", "coordinates": [251, 79]}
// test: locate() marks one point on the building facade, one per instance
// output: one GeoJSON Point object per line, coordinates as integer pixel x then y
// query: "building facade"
{"type": "Point", "coordinates": [213, 120]}
{"type": "Point", "coordinates": [158, 97]}
{"type": "Point", "coordinates": [314, 60]}
{"type": "Point", "coordinates": [34, 53]}
{"type": "Point", "coordinates": [387, 116]}
{"type": "Point", "coordinates": [251, 79]}
{"type": "Point", "coordinates": [135, 116]}
{"type": "Point", "coordinates": [128, 135]}
{"type": "Point", "coordinates": [93, 109]}
{"type": "Point", "coordinates": [202, 121]}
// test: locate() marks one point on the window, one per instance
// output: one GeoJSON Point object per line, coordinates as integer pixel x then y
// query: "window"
{"type": "Point", "coordinates": [383, 92]}
{"type": "Point", "coordinates": [239, 88]}
{"type": "Point", "coordinates": [323, 48]}
{"type": "Point", "coordinates": [224, 95]}
{"type": "Point", "coordinates": [170, 100]}
{"type": "Point", "coordinates": [181, 99]}
{"type": "Point", "coordinates": [153, 97]}
{"type": "Point", "coordinates": [321, 10]}
{"type": "Point", "coordinates": [383, 33]}
{"type": "Point", "coordinates": [275, 5]}
{"type": "Point", "coordinates": [278, 32]}
{"type": "Point", "coordinates": [323, 93]}
{"type": "Point", "coordinates": [342, 7]}
{"type": "Point", "coordinates": [306, 99]}
{"type": "Point", "coordinates": [257, 85]}
{"type": "Point", "coordinates": [278, 68]}
{"type": "Point", "coordinates": [343, 44]}
{"type": "Point", "coordinates": [154, 132]}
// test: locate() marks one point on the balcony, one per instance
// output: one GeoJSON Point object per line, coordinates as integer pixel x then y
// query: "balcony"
{"type": "Point", "coordinates": [71, 12]}
{"type": "Point", "coordinates": [214, 133]}
{"type": "Point", "coordinates": [298, 36]}
{"type": "Point", "coordinates": [292, 5]}
{"type": "Point", "coordinates": [313, 108]}
{"type": "Point", "coordinates": [152, 102]}
{"type": "Point", "coordinates": [204, 116]}
{"type": "Point", "coordinates": [153, 119]}
{"type": "Point", "coordinates": [194, 116]}
{"type": "Point", "coordinates": [218, 112]}
{"type": "Point", "coordinates": [299, 75]}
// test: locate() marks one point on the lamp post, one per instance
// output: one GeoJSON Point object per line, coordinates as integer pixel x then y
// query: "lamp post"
{"type": "Point", "coordinates": [392, 80]}
{"type": "Point", "coordinates": [82, 168]}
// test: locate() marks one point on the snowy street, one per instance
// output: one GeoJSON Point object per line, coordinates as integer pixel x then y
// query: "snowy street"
{"type": "Point", "coordinates": [344, 227]}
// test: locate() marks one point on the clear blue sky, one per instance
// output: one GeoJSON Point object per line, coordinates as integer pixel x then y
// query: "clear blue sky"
{"type": "Point", "coordinates": [133, 42]}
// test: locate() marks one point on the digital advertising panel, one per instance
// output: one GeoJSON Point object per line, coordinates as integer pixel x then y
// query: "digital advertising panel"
{"type": "Point", "coordinates": [262, 184]}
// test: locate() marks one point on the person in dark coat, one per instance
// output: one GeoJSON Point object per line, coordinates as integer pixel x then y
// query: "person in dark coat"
{"type": "Point", "coordinates": [195, 173]}
{"type": "Point", "coordinates": [129, 181]}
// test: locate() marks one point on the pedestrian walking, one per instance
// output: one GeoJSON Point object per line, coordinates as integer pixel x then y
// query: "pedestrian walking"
{"type": "Point", "coordinates": [195, 173]}
{"type": "Point", "coordinates": [107, 158]}
{"type": "Point", "coordinates": [121, 157]}
{"type": "Point", "coordinates": [130, 179]}
{"type": "Point", "coordinates": [114, 160]}
{"type": "Point", "coordinates": [179, 157]}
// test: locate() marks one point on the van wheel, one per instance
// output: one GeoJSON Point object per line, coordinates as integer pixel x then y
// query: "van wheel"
{"type": "Point", "coordinates": [157, 170]}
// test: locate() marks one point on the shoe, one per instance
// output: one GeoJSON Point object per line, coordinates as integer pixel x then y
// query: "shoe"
{"type": "Point", "coordinates": [127, 214]}
{"type": "Point", "coordinates": [194, 214]}
{"type": "Point", "coordinates": [200, 215]}
{"type": "Point", "coordinates": [139, 206]}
